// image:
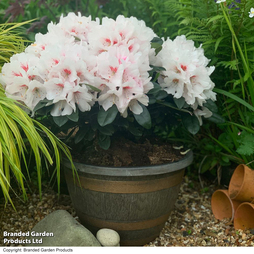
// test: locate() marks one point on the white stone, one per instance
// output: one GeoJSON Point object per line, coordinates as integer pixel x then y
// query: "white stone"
{"type": "Point", "coordinates": [108, 237]}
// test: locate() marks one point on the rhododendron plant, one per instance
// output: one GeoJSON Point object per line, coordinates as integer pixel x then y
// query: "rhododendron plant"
{"type": "Point", "coordinates": [186, 74]}
{"type": "Point", "coordinates": [114, 70]}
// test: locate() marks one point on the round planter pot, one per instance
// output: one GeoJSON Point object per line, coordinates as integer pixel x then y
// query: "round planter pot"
{"type": "Point", "coordinates": [222, 205]}
{"type": "Point", "coordinates": [134, 201]}
{"type": "Point", "coordinates": [241, 184]}
{"type": "Point", "coordinates": [244, 216]}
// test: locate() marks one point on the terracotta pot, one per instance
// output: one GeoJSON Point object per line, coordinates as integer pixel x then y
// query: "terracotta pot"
{"type": "Point", "coordinates": [134, 201]}
{"type": "Point", "coordinates": [241, 186]}
{"type": "Point", "coordinates": [222, 205]}
{"type": "Point", "coordinates": [244, 216]}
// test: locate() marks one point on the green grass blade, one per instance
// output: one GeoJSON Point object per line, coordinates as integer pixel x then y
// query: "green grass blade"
{"type": "Point", "coordinates": [234, 97]}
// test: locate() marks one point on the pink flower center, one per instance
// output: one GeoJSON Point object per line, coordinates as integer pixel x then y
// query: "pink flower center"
{"type": "Point", "coordinates": [122, 58]}
{"type": "Point", "coordinates": [56, 61]}
{"type": "Point", "coordinates": [17, 74]}
{"type": "Point", "coordinates": [24, 67]}
{"type": "Point", "coordinates": [184, 67]}
{"type": "Point", "coordinates": [107, 42]}
{"type": "Point", "coordinates": [68, 72]}
{"type": "Point", "coordinates": [122, 35]}
{"type": "Point", "coordinates": [175, 81]}
{"type": "Point", "coordinates": [130, 48]}
{"type": "Point", "coordinates": [113, 69]}
{"type": "Point", "coordinates": [31, 77]}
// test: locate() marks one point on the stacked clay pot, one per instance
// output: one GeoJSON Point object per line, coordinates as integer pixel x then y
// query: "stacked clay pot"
{"type": "Point", "coordinates": [236, 203]}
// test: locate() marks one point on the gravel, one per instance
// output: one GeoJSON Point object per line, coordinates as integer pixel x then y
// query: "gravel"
{"type": "Point", "coordinates": [190, 224]}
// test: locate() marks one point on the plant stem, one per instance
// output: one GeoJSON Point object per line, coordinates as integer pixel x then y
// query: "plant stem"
{"type": "Point", "coordinates": [250, 81]}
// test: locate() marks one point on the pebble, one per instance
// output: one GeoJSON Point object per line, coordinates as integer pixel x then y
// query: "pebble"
{"type": "Point", "coordinates": [108, 237]}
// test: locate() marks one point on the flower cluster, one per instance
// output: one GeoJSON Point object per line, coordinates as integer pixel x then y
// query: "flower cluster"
{"type": "Point", "coordinates": [114, 66]}
{"type": "Point", "coordinates": [186, 74]}
{"type": "Point", "coordinates": [112, 57]}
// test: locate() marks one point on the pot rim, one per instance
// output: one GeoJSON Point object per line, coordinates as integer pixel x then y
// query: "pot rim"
{"type": "Point", "coordinates": [133, 171]}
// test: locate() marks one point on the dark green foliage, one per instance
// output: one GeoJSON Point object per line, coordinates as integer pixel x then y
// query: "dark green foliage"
{"type": "Point", "coordinates": [191, 123]}
{"type": "Point", "coordinates": [144, 119]}
{"type": "Point", "coordinates": [246, 143]}
{"type": "Point", "coordinates": [107, 117]}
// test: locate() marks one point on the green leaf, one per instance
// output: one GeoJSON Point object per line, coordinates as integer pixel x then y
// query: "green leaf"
{"type": "Point", "coordinates": [157, 40]}
{"type": "Point", "coordinates": [218, 41]}
{"type": "Point", "coordinates": [60, 120]}
{"type": "Point", "coordinates": [93, 88]}
{"type": "Point", "coordinates": [157, 50]}
{"type": "Point", "coordinates": [211, 106]}
{"type": "Point", "coordinates": [135, 131]}
{"type": "Point", "coordinates": [144, 119]}
{"type": "Point", "coordinates": [106, 130]}
{"type": "Point", "coordinates": [152, 99]}
{"type": "Point", "coordinates": [41, 104]}
{"type": "Point", "coordinates": [216, 118]}
{"type": "Point", "coordinates": [74, 116]}
{"type": "Point", "coordinates": [171, 105]}
{"type": "Point", "coordinates": [246, 144]}
{"type": "Point", "coordinates": [90, 135]}
{"type": "Point", "coordinates": [215, 18]}
{"type": "Point", "coordinates": [225, 158]}
{"type": "Point", "coordinates": [122, 122]}
{"type": "Point", "coordinates": [156, 88]}
{"type": "Point", "coordinates": [161, 95]}
{"type": "Point", "coordinates": [157, 68]}
{"type": "Point", "coordinates": [156, 44]}
{"type": "Point", "coordinates": [104, 141]}
{"type": "Point", "coordinates": [234, 97]}
{"type": "Point", "coordinates": [80, 135]}
{"type": "Point", "coordinates": [107, 117]}
{"type": "Point", "coordinates": [208, 164]}
{"type": "Point", "coordinates": [191, 123]}
{"type": "Point", "coordinates": [179, 102]}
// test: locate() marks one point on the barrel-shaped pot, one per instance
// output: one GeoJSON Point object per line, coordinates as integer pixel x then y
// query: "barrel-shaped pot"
{"type": "Point", "coordinates": [134, 201]}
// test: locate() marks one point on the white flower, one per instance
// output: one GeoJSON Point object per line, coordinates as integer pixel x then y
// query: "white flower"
{"type": "Point", "coordinates": [35, 93]}
{"type": "Point", "coordinates": [18, 75]}
{"type": "Point", "coordinates": [220, 1]}
{"type": "Point", "coordinates": [77, 26]}
{"type": "Point", "coordinates": [125, 80]}
{"type": "Point", "coordinates": [130, 32]}
{"type": "Point", "coordinates": [55, 37]}
{"type": "Point", "coordinates": [61, 108]}
{"type": "Point", "coordinates": [186, 74]}
{"type": "Point", "coordinates": [205, 112]}
{"type": "Point", "coordinates": [58, 73]}
{"type": "Point", "coordinates": [251, 13]}
{"type": "Point", "coordinates": [67, 78]}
